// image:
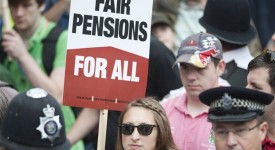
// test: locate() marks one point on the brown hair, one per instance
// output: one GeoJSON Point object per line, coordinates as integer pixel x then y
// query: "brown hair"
{"type": "Point", "coordinates": [164, 138]}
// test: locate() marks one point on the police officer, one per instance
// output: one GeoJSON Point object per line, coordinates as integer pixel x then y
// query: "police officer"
{"type": "Point", "coordinates": [236, 117]}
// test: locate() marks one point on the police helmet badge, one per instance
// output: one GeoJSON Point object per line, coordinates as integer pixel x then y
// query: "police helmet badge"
{"type": "Point", "coordinates": [50, 125]}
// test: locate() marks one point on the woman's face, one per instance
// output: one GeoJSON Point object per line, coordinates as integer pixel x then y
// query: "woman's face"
{"type": "Point", "coordinates": [139, 116]}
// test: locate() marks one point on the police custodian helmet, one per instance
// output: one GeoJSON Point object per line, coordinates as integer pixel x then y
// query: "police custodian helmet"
{"type": "Point", "coordinates": [34, 121]}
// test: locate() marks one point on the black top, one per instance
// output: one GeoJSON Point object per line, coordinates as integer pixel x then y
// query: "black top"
{"type": "Point", "coordinates": [161, 76]}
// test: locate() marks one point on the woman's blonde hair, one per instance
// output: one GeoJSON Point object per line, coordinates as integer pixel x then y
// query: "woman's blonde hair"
{"type": "Point", "coordinates": [164, 137]}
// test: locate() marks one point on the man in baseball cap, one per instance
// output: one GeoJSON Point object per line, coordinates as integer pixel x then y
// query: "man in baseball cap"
{"type": "Point", "coordinates": [33, 121]}
{"type": "Point", "coordinates": [236, 114]}
{"type": "Point", "coordinates": [201, 65]}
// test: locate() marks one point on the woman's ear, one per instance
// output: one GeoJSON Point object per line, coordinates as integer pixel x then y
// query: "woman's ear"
{"type": "Point", "coordinates": [263, 130]}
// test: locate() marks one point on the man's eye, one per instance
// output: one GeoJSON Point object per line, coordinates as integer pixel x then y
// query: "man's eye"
{"type": "Point", "coordinates": [183, 66]}
{"type": "Point", "coordinates": [240, 131]}
{"type": "Point", "coordinates": [221, 132]}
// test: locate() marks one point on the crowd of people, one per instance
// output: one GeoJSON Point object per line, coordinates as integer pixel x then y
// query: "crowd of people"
{"type": "Point", "coordinates": [210, 85]}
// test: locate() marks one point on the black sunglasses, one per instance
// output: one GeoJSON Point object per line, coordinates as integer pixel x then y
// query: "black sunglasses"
{"type": "Point", "coordinates": [143, 129]}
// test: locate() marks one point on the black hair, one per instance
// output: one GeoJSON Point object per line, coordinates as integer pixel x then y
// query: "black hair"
{"type": "Point", "coordinates": [265, 60]}
{"type": "Point", "coordinates": [16, 2]}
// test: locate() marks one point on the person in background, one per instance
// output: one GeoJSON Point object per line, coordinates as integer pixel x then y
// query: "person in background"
{"type": "Point", "coordinates": [229, 21]}
{"type": "Point", "coordinates": [163, 30]}
{"type": "Point", "coordinates": [262, 13]}
{"type": "Point", "coordinates": [143, 124]}
{"type": "Point", "coordinates": [187, 22]}
{"type": "Point", "coordinates": [33, 120]}
{"type": "Point", "coordinates": [183, 14]}
{"type": "Point", "coordinates": [236, 114]}
{"type": "Point", "coordinates": [167, 7]}
{"type": "Point", "coordinates": [261, 76]}
{"type": "Point", "coordinates": [161, 76]}
{"type": "Point", "coordinates": [201, 64]}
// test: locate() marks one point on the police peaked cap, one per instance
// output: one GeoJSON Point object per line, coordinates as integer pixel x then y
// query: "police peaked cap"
{"type": "Point", "coordinates": [234, 104]}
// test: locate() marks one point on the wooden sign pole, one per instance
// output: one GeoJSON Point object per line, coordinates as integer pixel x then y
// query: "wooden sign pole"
{"type": "Point", "coordinates": [6, 18]}
{"type": "Point", "coordinates": [6, 11]}
{"type": "Point", "coordinates": [103, 118]}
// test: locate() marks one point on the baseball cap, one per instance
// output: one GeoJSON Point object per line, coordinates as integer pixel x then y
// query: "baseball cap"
{"type": "Point", "coordinates": [34, 121]}
{"type": "Point", "coordinates": [234, 104]}
{"type": "Point", "coordinates": [197, 49]}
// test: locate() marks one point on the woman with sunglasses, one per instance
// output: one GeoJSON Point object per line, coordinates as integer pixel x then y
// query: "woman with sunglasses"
{"type": "Point", "coordinates": [144, 125]}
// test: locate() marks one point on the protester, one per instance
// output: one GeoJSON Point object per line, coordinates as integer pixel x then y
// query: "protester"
{"type": "Point", "coordinates": [34, 121]}
{"type": "Point", "coordinates": [229, 21]}
{"type": "Point", "coordinates": [163, 30]}
{"type": "Point", "coordinates": [261, 76]}
{"type": "Point", "coordinates": [28, 61]}
{"type": "Point", "coordinates": [144, 125]}
{"type": "Point", "coordinates": [201, 63]}
{"type": "Point", "coordinates": [236, 117]}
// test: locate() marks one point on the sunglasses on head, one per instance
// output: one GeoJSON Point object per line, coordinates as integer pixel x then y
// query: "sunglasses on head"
{"type": "Point", "coordinates": [143, 129]}
{"type": "Point", "coordinates": [269, 55]}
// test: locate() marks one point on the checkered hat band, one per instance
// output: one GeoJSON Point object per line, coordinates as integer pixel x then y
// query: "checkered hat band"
{"type": "Point", "coordinates": [238, 103]}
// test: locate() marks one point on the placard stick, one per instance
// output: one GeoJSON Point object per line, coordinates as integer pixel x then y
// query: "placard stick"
{"type": "Point", "coordinates": [6, 11]}
{"type": "Point", "coordinates": [103, 118]}
{"type": "Point", "coordinates": [6, 18]}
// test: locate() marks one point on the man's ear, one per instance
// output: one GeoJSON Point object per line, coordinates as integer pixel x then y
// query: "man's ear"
{"type": "Point", "coordinates": [221, 67]}
{"type": "Point", "coordinates": [263, 130]}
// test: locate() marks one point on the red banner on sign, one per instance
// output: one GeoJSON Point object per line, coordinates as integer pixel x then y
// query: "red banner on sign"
{"type": "Point", "coordinates": [104, 78]}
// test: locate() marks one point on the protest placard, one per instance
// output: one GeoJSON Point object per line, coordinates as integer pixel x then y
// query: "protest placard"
{"type": "Point", "coordinates": [108, 53]}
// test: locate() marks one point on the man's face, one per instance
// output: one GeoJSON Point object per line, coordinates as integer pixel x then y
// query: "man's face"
{"type": "Point", "coordinates": [25, 15]}
{"type": "Point", "coordinates": [239, 136]}
{"type": "Point", "coordinates": [165, 34]}
{"type": "Point", "coordinates": [258, 79]}
{"type": "Point", "coordinates": [197, 80]}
